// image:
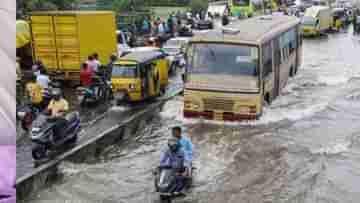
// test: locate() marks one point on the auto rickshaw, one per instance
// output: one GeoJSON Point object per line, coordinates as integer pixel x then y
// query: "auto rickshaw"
{"type": "Point", "coordinates": [340, 15]}
{"type": "Point", "coordinates": [139, 76]}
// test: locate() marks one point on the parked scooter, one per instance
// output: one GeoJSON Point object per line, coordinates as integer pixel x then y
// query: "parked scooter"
{"type": "Point", "coordinates": [43, 139]}
{"type": "Point", "coordinates": [99, 91]}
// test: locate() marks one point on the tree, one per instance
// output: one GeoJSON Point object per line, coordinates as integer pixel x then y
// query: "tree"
{"type": "Point", "coordinates": [31, 5]}
{"type": "Point", "coordinates": [198, 5]}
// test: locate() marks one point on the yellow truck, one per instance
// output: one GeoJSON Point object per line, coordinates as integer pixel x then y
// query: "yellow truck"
{"type": "Point", "coordinates": [63, 40]}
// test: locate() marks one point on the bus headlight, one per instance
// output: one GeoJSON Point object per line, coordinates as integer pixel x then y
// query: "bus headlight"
{"type": "Point", "coordinates": [191, 104]}
{"type": "Point", "coordinates": [195, 105]}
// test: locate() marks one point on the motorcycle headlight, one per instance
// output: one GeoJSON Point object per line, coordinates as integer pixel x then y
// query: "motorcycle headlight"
{"type": "Point", "coordinates": [21, 114]}
{"type": "Point", "coordinates": [35, 130]}
{"type": "Point", "coordinates": [132, 86]}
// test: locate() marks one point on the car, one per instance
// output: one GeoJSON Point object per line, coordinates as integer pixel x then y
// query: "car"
{"type": "Point", "coordinates": [122, 43]}
{"type": "Point", "coordinates": [174, 48]}
{"type": "Point", "coordinates": [204, 24]}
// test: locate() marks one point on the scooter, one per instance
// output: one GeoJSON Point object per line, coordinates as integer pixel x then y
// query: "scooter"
{"type": "Point", "coordinates": [99, 91]}
{"type": "Point", "coordinates": [165, 183]}
{"type": "Point", "coordinates": [42, 135]}
{"type": "Point", "coordinates": [27, 113]}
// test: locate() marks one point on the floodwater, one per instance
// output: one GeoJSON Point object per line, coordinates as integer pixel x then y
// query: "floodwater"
{"type": "Point", "coordinates": [305, 148]}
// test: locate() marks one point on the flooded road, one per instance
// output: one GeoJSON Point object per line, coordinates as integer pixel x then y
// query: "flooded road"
{"type": "Point", "coordinates": [305, 148]}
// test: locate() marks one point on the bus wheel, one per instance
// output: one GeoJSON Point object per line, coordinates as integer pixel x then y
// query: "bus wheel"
{"type": "Point", "coordinates": [292, 72]}
{"type": "Point", "coordinates": [267, 99]}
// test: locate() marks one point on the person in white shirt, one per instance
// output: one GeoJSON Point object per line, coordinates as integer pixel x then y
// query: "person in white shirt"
{"type": "Point", "coordinates": [96, 59]}
{"type": "Point", "coordinates": [161, 28]}
{"type": "Point", "coordinates": [93, 65]}
{"type": "Point", "coordinates": [43, 79]}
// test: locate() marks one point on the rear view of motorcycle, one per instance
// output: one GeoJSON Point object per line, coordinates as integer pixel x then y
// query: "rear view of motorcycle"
{"type": "Point", "coordinates": [45, 140]}
{"type": "Point", "coordinates": [98, 92]}
{"type": "Point", "coordinates": [165, 183]}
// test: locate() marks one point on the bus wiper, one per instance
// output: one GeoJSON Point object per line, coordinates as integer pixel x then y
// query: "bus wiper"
{"type": "Point", "coordinates": [213, 54]}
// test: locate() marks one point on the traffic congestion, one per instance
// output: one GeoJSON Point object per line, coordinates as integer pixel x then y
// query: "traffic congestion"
{"type": "Point", "coordinates": [254, 102]}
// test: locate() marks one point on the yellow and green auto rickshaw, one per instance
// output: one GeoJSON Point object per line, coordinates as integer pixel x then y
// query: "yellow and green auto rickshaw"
{"type": "Point", "coordinates": [139, 76]}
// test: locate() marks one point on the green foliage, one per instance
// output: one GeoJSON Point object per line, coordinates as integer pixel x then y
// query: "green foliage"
{"type": "Point", "coordinates": [198, 5]}
{"type": "Point", "coordinates": [32, 5]}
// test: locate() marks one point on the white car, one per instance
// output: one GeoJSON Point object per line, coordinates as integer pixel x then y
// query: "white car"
{"type": "Point", "coordinates": [174, 48]}
{"type": "Point", "coordinates": [122, 43]}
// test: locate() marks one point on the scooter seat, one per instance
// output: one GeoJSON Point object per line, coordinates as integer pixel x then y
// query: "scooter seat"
{"type": "Point", "coordinates": [71, 117]}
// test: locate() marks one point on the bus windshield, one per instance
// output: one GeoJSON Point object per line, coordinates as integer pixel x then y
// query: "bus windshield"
{"type": "Point", "coordinates": [241, 2]}
{"type": "Point", "coordinates": [224, 59]}
{"type": "Point", "coordinates": [125, 71]}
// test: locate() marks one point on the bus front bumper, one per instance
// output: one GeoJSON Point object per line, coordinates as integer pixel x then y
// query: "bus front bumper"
{"type": "Point", "coordinates": [209, 115]}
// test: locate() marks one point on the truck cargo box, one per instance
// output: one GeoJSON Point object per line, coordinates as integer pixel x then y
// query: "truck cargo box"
{"type": "Point", "coordinates": [63, 40]}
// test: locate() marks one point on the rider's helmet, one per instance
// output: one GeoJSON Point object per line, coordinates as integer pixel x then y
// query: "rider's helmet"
{"type": "Point", "coordinates": [173, 144]}
{"type": "Point", "coordinates": [113, 57]}
{"type": "Point", "coordinates": [56, 94]}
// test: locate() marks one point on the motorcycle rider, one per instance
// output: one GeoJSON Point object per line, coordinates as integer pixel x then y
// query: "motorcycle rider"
{"type": "Point", "coordinates": [113, 58]}
{"type": "Point", "coordinates": [186, 145]}
{"type": "Point", "coordinates": [92, 63]}
{"type": "Point", "coordinates": [43, 79]}
{"type": "Point", "coordinates": [37, 66]}
{"type": "Point", "coordinates": [34, 91]}
{"type": "Point", "coordinates": [174, 157]}
{"type": "Point", "coordinates": [57, 109]}
{"type": "Point", "coordinates": [85, 75]}
{"type": "Point", "coordinates": [96, 60]}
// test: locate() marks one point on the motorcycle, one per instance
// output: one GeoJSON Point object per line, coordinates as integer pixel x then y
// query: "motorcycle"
{"type": "Point", "coordinates": [43, 139]}
{"type": "Point", "coordinates": [185, 31]}
{"type": "Point", "coordinates": [27, 113]}
{"type": "Point", "coordinates": [99, 91]}
{"type": "Point", "coordinates": [165, 183]}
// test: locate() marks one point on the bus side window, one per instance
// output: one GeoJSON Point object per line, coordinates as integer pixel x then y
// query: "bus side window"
{"type": "Point", "coordinates": [277, 53]}
{"type": "Point", "coordinates": [267, 59]}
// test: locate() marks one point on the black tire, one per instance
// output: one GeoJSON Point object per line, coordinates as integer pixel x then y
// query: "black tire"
{"type": "Point", "coordinates": [165, 199]}
{"type": "Point", "coordinates": [73, 140]}
{"type": "Point", "coordinates": [24, 126]}
{"type": "Point", "coordinates": [38, 152]}
{"type": "Point", "coordinates": [292, 72]}
{"type": "Point", "coordinates": [267, 99]}
{"type": "Point", "coordinates": [83, 102]}
{"type": "Point", "coordinates": [172, 68]}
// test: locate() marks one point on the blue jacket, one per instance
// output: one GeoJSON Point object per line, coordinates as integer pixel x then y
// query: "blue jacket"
{"type": "Point", "coordinates": [187, 146]}
{"type": "Point", "coordinates": [174, 159]}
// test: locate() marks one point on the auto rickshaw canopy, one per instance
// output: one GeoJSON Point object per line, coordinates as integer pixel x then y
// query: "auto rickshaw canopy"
{"type": "Point", "coordinates": [143, 57]}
